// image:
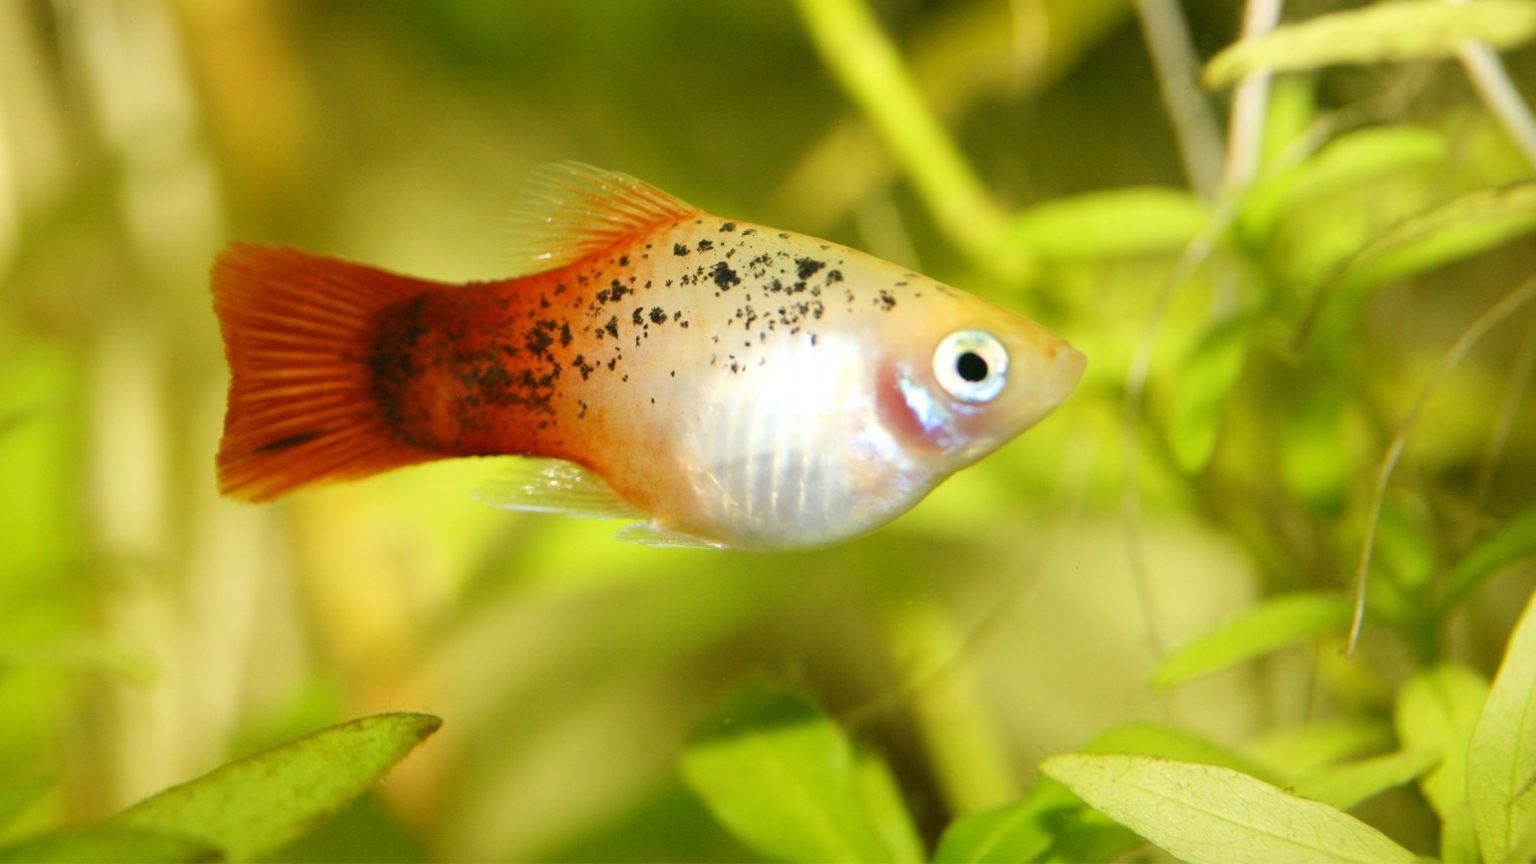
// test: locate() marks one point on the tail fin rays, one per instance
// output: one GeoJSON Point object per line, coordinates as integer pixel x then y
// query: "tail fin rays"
{"type": "Point", "coordinates": [298, 332]}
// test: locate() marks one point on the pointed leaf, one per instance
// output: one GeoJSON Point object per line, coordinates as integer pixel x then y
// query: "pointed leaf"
{"type": "Point", "coordinates": [783, 778]}
{"type": "Point", "coordinates": [1017, 831]}
{"type": "Point", "coordinates": [257, 804]}
{"type": "Point", "coordinates": [109, 843]}
{"type": "Point", "coordinates": [1515, 539]}
{"type": "Point", "coordinates": [1351, 160]}
{"type": "Point", "coordinates": [1436, 713]}
{"type": "Point", "coordinates": [1380, 33]}
{"type": "Point", "coordinates": [1344, 786]}
{"type": "Point", "coordinates": [1025, 829]}
{"type": "Point", "coordinates": [1201, 813]}
{"type": "Point", "coordinates": [1450, 231]}
{"type": "Point", "coordinates": [1118, 223]}
{"type": "Point", "coordinates": [1299, 750]}
{"type": "Point", "coordinates": [1273, 624]}
{"type": "Point", "coordinates": [887, 810]}
{"type": "Point", "coordinates": [1501, 758]}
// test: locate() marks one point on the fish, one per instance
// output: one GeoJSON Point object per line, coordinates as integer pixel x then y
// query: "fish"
{"type": "Point", "coordinates": [718, 383]}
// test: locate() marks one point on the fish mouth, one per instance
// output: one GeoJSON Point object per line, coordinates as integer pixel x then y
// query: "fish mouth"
{"type": "Point", "coordinates": [1068, 369]}
{"type": "Point", "coordinates": [1043, 371]}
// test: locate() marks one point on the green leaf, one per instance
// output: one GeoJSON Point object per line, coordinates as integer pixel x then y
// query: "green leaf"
{"type": "Point", "coordinates": [16, 797]}
{"type": "Point", "coordinates": [1205, 380]}
{"type": "Point", "coordinates": [1119, 223]}
{"type": "Point", "coordinates": [1515, 539]}
{"type": "Point", "coordinates": [1027, 828]}
{"type": "Point", "coordinates": [1436, 712]}
{"type": "Point", "coordinates": [1381, 33]}
{"type": "Point", "coordinates": [1291, 112]}
{"type": "Point", "coordinates": [1447, 232]}
{"type": "Point", "coordinates": [1275, 623]}
{"type": "Point", "coordinates": [1350, 160]}
{"type": "Point", "coordinates": [1301, 750]}
{"type": "Point", "coordinates": [1202, 813]}
{"type": "Point", "coordinates": [1017, 831]}
{"type": "Point", "coordinates": [1315, 461]}
{"type": "Point", "coordinates": [887, 810]}
{"type": "Point", "coordinates": [1344, 786]}
{"type": "Point", "coordinates": [109, 843]}
{"type": "Point", "coordinates": [784, 779]}
{"type": "Point", "coordinates": [255, 805]}
{"type": "Point", "coordinates": [1501, 757]}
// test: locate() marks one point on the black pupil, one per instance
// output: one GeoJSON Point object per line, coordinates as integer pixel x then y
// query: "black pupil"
{"type": "Point", "coordinates": [971, 367]}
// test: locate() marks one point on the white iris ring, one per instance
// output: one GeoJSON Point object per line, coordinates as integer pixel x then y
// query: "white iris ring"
{"type": "Point", "coordinates": [971, 365]}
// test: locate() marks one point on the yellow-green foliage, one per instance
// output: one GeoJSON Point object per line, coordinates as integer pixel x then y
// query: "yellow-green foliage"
{"type": "Point", "coordinates": [1309, 376]}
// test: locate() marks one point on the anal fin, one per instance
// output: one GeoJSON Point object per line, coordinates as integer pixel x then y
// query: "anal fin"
{"type": "Point", "coordinates": [568, 489]}
{"type": "Point", "coordinates": [556, 486]}
{"type": "Point", "coordinates": [651, 534]}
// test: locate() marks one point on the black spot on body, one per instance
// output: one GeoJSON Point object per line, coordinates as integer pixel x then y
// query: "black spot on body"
{"type": "Point", "coordinates": [390, 359]}
{"type": "Point", "coordinates": [679, 249]}
{"type": "Point", "coordinates": [724, 276]}
{"type": "Point", "coordinates": [612, 326]}
{"type": "Point", "coordinates": [539, 337]}
{"type": "Point", "coordinates": [729, 226]}
{"type": "Point", "coordinates": [706, 245]}
{"type": "Point", "coordinates": [658, 315]}
{"type": "Point", "coordinates": [805, 268]}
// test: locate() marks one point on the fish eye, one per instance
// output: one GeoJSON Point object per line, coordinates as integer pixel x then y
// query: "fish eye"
{"type": "Point", "coordinates": [971, 365]}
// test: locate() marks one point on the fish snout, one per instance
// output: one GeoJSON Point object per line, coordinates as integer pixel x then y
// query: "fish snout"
{"type": "Point", "coordinates": [1044, 370]}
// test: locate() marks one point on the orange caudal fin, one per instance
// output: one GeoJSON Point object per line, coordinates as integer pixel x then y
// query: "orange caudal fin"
{"type": "Point", "coordinates": [298, 332]}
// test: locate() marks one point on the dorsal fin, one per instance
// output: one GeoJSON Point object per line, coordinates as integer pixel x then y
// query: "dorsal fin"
{"type": "Point", "coordinates": [570, 210]}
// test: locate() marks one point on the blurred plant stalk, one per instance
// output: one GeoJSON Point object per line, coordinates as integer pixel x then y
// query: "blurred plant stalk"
{"type": "Point", "coordinates": [871, 70]}
{"type": "Point", "coordinates": [958, 728]}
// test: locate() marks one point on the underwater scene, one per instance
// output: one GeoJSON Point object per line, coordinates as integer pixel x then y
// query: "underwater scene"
{"type": "Point", "coordinates": [813, 430]}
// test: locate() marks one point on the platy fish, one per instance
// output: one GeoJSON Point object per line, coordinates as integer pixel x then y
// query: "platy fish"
{"type": "Point", "coordinates": [728, 385]}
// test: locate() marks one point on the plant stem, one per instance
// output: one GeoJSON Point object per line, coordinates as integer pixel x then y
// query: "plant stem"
{"type": "Point", "coordinates": [1475, 331]}
{"type": "Point", "coordinates": [872, 72]}
{"type": "Point", "coordinates": [968, 753]}
{"type": "Point", "coordinates": [1250, 101]}
{"type": "Point", "coordinates": [1498, 435]}
{"type": "Point", "coordinates": [1173, 56]}
{"type": "Point", "coordinates": [1499, 93]}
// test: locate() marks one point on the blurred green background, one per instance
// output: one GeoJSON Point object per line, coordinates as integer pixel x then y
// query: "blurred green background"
{"type": "Point", "coordinates": [150, 630]}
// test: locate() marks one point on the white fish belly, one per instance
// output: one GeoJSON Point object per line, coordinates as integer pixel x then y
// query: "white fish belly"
{"type": "Point", "coordinates": [791, 452]}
